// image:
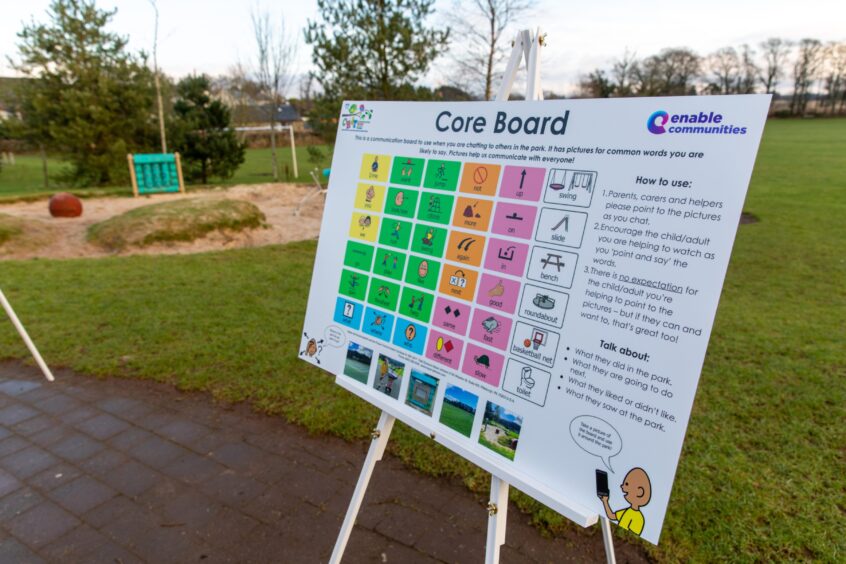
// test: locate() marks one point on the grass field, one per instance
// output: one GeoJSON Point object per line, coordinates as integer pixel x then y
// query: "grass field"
{"type": "Point", "coordinates": [25, 178]}
{"type": "Point", "coordinates": [357, 370]}
{"type": "Point", "coordinates": [761, 476]}
{"type": "Point", "coordinates": [457, 419]}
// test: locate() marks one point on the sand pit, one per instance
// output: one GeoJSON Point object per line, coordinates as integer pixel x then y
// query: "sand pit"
{"type": "Point", "coordinates": [65, 237]}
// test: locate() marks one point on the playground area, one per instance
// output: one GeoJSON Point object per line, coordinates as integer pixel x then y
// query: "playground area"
{"type": "Point", "coordinates": [42, 236]}
{"type": "Point", "coordinates": [777, 342]}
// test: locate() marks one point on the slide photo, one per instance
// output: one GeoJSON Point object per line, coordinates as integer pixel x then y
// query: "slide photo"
{"type": "Point", "coordinates": [388, 376]}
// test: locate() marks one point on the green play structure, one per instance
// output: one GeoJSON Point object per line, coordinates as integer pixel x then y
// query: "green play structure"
{"type": "Point", "coordinates": [155, 173]}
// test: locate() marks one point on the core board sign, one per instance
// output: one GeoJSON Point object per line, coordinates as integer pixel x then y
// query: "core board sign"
{"type": "Point", "coordinates": [534, 283]}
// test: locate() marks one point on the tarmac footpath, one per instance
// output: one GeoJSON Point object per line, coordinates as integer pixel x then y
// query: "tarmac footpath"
{"type": "Point", "coordinates": [123, 471]}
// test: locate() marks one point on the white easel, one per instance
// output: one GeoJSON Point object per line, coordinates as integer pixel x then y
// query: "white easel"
{"type": "Point", "coordinates": [25, 336]}
{"type": "Point", "coordinates": [526, 45]}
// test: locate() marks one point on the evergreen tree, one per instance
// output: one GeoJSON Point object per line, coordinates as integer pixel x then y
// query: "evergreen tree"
{"type": "Point", "coordinates": [201, 132]}
{"type": "Point", "coordinates": [88, 99]}
{"type": "Point", "coordinates": [370, 50]}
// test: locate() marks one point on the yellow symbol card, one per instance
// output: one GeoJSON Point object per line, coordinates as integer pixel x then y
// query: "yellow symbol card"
{"type": "Point", "coordinates": [364, 226]}
{"type": "Point", "coordinates": [370, 197]}
{"type": "Point", "coordinates": [375, 167]}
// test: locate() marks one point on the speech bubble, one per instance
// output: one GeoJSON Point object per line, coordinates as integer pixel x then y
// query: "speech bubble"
{"type": "Point", "coordinates": [335, 336]}
{"type": "Point", "coordinates": [597, 437]}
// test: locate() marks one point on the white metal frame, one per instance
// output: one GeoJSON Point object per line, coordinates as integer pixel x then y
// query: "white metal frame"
{"type": "Point", "coordinates": [526, 46]}
{"type": "Point", "coordinates": [320, 191]}
{"type": "Point", "coordinates": [25, 336]}
{"type": "Point", "coordinates": [277, 127]}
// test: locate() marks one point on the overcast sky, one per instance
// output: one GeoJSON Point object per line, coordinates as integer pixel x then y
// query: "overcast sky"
{"type": "Point", "coordinates": [211, 35]}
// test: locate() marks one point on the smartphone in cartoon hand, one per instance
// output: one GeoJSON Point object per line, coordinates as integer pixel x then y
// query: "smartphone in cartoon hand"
{"type": "Point", "coordinates": [602, 489]}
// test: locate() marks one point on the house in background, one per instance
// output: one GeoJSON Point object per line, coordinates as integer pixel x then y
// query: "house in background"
{"type": "Point", "coordinates": [259, 116]}
{"type": "Point", "coordinates": [252, 122]}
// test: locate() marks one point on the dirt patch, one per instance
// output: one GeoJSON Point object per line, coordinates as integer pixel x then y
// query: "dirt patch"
{"type": "Point", "coordinates": [66, 237]}
{"type": "Point", "coordinates": [747, 217]}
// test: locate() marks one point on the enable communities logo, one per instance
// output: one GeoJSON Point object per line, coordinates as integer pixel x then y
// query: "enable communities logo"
{"type": "Point", "coordinates": [661, 122]}
{"type": "Point", "coordinates": [355, 117]}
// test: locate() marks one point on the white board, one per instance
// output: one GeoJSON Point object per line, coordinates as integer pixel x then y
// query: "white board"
{"type": "Point", "coordinates": [559, 264]}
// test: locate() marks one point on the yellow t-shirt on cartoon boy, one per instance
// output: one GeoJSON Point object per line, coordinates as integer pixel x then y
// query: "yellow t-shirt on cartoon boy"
{"type": "Point", "coordinates": [630, 519]}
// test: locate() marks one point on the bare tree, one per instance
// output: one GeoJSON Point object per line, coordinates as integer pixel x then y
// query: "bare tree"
{"type": "Point", "coordinates": [805, 70]}
{"type": "Point", "coordinates": [748, 71]}
{"type": "Point", "coordinates": [623, 72]}
{"type": "Point", "coordinates": [672, 72]}
{"type": "Point", "coordinates": [835, 76]}
{"type": "Point", "coordinates": [479, 25]}
{"type": "Point", "coordinates": [775, 52]}
{"type": "Point", "coordinates": [724, 65]}
{"type": "Point", "coordinates": [156, 77]}
{"type": "Point", "coordinates": [239, 91]}
{"type": "Point", "coordinates": [276, 51]}
{"type": "Point", "coordinates": [596, 85]}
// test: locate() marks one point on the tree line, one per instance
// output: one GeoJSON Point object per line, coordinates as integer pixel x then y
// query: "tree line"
{"type": "Point", "coordinates": [812, 71]}
{"type": "Point", "coordinates": [90, 100]}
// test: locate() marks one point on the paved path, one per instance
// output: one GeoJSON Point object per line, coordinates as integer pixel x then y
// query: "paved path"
{"type": "Point", "coordinates": [122, 471]}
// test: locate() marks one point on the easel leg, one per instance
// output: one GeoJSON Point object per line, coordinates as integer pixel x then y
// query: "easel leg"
{"type": "Point", "coordinates": [497, 517]}
{"type": "Point", "coordinates": [374, 455]}
{"type": "Point", "coordinates": [608, 539]}
{"type": "Point", "coordinates": [27, 341]}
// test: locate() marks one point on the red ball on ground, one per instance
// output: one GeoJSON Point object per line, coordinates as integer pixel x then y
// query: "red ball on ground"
{"type": "Point", "coordinates": [65, 205]}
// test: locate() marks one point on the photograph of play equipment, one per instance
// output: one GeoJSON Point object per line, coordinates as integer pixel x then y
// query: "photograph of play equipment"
{"type": "Point", "coordinates": [421, 392]}
{"type": "Point", "coordinates": [500, 430]}
{"type": "Point", "coordinates": [388, 376]}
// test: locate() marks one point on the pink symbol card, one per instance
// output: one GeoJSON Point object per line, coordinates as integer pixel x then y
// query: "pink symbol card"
{"type": "Point", "coordinates": [498, 293]}
{"type": "Point", "coordinates": [452, 316]}
{"type": "Point", "coordinates": [522, 183]}
{"type": "Point", "coordinates": [514, 220]}
{"type": "Point", "coordinates": [506, 257]}
{"type": "Point", "coordinates": [492, 329]}
{"type": "Point", "coordinates": [444, 348]}
{"type": "Point", "coordinates": [483, 365]}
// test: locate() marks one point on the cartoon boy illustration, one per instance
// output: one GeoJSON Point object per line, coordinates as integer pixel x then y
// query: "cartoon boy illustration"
{"type": "Point", "coordinates": [637, 491]}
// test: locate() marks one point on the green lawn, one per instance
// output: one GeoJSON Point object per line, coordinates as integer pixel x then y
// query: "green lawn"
{"type": "Point", "coordinates": [25, 178]}
{"type": "Point", "coordinates": [457, 419]}
{"type": "Point", "coordinates": [761, 476]}
{"type": "Point", "coordinates": [357, 370]}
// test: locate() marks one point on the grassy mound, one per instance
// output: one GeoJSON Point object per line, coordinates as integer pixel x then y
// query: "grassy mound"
{"type": "Point", "coordinates": [21, 235]}
{"type": "Point", "coordinates": [10, 227]}
{"type": "Point", "coordinates": [182, 220]}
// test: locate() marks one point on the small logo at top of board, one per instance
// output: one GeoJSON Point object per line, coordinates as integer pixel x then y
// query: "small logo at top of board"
{"type": "Point", "coordinates": [355, 117]}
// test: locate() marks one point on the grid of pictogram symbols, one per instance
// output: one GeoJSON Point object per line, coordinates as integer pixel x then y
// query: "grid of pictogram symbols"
{"type": "Point", "coordinates": [437, 265]}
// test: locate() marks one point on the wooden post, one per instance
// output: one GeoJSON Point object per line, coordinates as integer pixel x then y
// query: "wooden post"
{"type": "Point", "coordinates": [293, 152]}
{"type": "Point", "coordinates": [179, 172]}
{"type": "Point", "coordinates": [132, 177]}
{"type": "Point", "coordinates": [44, 165]}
